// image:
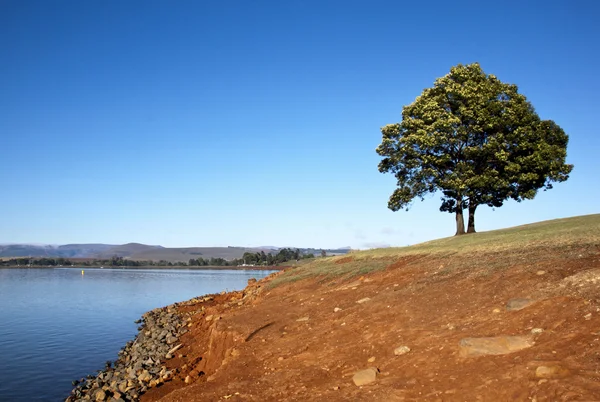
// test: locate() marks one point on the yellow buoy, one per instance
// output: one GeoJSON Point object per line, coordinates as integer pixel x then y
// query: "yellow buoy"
{"type": "Point", "coordinates": [82, 272]}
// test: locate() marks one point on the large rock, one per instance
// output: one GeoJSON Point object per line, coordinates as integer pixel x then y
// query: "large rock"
{"type": "Point", "coordinates": [401, 350]}
{"type": "Point", "coordinates": [518, 304]}
{"type": "Point", "coordinates": [365, 377]}
{"type": "Point", "coordinates": [499, 345]}
{"type": "Point", "coordinates": [100, 395]}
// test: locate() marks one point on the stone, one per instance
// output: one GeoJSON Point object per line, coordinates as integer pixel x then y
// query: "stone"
{"type": "Point", "coordinates": [302, 319]}
{"type": "Point", "coordinates": [209, 317]}
{"type": "Point", "coordinates": [144, 377]}
{"type": "Point", "coordinates": [364, 377]}
{"type": "Point", "coordinates": [371, 359]}
{"type": "Point", "coordinates": [553, 371]}
{"type": "Point", "coordinates": [588, 316]}
{"type": "Point", "coordinates": [188, 379]}
{"type": "Point", "coordinates": [540, 272]}
{"type": "Point", "coordinates": [361, 301]}
{"type": "Point", "coordinates": [100, 395]}
{"type": "Point", "coordinates": [401, 350]}
{"type": "Point", "coordinates": [335, 310]}
{"type": "Point", "coordinates": [499, 345]}
{"type": "Point", "coordinates": [518, 304]}
{"type": "Point", "coordinates": [537, 331]}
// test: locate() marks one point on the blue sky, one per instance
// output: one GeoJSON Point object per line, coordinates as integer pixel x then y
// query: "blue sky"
{"type": "Point", "coordinates": [196, 123]}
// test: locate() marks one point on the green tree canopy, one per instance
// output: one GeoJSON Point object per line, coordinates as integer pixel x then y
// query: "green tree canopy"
{"type": "Point", "coordinates": [476, 140]}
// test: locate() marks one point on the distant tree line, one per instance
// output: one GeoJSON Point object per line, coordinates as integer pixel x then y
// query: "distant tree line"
{"type": "Point", "coordinates": [40, 261]}
{"type": "Point", "coordinates": [259, 258]}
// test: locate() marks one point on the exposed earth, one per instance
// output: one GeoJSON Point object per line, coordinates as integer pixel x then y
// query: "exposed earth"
{"type": "Point", "coordinates": [414, 327]}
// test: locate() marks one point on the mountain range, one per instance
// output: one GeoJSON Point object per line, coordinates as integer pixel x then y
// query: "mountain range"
{"type": "Point", "coordinates": [136, 251]}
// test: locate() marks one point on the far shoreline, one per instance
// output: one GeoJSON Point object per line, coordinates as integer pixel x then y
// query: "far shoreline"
{"type": "Point", "coordinates": [194, 268]}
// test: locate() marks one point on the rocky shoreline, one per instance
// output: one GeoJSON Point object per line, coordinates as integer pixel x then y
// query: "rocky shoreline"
{"type": "Point", "coordinates": [140, 364]}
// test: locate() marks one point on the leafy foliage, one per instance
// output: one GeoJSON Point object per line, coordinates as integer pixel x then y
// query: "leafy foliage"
{"type": "Point", "coordinates": [476, 140]}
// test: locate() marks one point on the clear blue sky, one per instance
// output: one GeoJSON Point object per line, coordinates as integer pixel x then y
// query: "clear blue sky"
{"type": "Point", "coordinates": [197, 123]}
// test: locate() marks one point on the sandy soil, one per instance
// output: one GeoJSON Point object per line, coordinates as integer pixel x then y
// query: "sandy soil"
{"type": "Point", "coordinates": [304, 341]}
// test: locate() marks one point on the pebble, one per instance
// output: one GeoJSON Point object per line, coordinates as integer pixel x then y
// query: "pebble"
{"type": "Point", "coordinates": [335, 310]}
{"type": "Point", "coordinates": [366, 299]}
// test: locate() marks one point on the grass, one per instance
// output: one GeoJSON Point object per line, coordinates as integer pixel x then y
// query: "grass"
{"type": "Point", "coordinates": [532, 241]}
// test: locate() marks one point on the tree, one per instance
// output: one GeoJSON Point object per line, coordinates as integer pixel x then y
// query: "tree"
{"type": "Point", "coordinates": [476, 140]}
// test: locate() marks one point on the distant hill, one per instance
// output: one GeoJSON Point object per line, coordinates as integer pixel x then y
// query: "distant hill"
{"type": "Point", "coordinates": [130, 251]}
{"type": "Point", "coordinates": [184, 254]}
{"type": "Point", "coordinates": [27, 250]}
{"type": "Point", "coordinates": [126, 250]}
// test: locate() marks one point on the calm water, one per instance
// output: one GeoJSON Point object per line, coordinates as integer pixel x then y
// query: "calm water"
{"type": "Point", "coordinates": [57, 325]}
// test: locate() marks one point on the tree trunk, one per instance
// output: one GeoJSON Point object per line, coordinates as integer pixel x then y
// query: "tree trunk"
{"type": "Point", "coordinates": [471, 224]}
{"type": "Point", "coordinates": [460, 221]}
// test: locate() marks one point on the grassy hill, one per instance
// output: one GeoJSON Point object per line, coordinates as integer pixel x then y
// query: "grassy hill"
{"type": "Point", "coordinates": [569, 236]}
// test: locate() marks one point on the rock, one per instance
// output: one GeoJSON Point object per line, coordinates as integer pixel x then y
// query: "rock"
{"type": "Point", "coordinates": [588, 316]}
{"type": "Point", "coordinates": [335, 310]}
{"type": "Point", "coordinates": [537, 331]}
{"type": "Point", "coordinates": [554, 371]}
{"type": "Point", "coordinates": [144, 377]}
{"type": "Point", "coordinates": [540, 272]}
{"type": "Point", "coordinates": [500, 345]}
{"type": "Point", "coordinates": [100, 395]}
{"type": "Point", "coordinates": [371, 359]}
{"type": "Point", "coordinates": [401, 350]}
{"type": "Point", "coordinates": [188, 379]}
{"type": "Point", "coordinates": [209, 317]}
{"type": "Point", "coordinates": [365, 377]}
{"type": "Point", "coordinates": [361, 301]}
{"type": "Point", "coordinates": [518, 304]}
{"type": "Point", "coordinates": [302, 319]}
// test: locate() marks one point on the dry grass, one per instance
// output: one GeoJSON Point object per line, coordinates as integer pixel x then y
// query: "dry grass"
{"type": "Point", "coordinates": [490, 250]}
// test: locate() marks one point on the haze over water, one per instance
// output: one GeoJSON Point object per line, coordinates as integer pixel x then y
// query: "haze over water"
{"type": "Point", "coordinates": [58, 325]}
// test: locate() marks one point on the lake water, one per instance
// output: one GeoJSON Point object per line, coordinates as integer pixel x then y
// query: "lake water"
{"type": "Point", "coordinates": [57, 325]}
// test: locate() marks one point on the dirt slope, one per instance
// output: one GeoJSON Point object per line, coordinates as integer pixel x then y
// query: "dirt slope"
{"type": "Point", "coordinates": [305, 339]}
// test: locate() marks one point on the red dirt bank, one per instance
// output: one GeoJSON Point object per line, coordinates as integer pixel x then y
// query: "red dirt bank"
{"type": "Point", "coordinates": [287, 343]}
